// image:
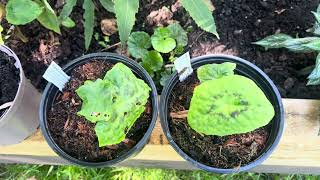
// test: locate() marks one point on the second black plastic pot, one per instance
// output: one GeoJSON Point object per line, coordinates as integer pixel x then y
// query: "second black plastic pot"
{"type": "Point", "coordinates": [51, 92]}
{"type": "Point", "coordinates": [244, 68]}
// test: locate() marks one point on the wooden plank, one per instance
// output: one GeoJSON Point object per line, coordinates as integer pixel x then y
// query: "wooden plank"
{"type": "Point", "coordinates": [298, 151]}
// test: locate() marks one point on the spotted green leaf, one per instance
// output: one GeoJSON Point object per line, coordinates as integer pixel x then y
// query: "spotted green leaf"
{"type": "Point", "coordinates": [114, 103]}
{"type": "Point", "coordinates": [229, 105]}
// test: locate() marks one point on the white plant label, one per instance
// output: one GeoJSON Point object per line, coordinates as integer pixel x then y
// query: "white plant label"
{"type": "Point", "coordinates": [183, 66]}
{"type": "Point", "coordinates": [56, 76]}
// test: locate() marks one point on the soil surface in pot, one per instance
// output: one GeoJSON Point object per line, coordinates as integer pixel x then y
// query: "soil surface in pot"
{"type": "Point", "coordinates": [9, 79]}
{"type": "Point", "coordinates": [239, 23]}
{"type": "Point", "coordinates": [224, 152]}
{"type": "Point", "coordinates": [76, 135]}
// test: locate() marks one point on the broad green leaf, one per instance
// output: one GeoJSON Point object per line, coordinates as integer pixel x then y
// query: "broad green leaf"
{"type": "Point", "coordinates": [114, 103]}
{"type": "Point", "coordinates": [108, 5]}
{"type": "Point", "coordinates": [48, 18]}
{"type": "Point", "coordinates": [67, 9]}
{"type": "Point", "coordinates": [125, 12]}
{"type": "Point", "coordinates": [68, 22]}
{"type": "Point", "coordinates": [88, 16]}
{"type": "Point", "coordinates": [178, 33]}
{"type": "Point", "coordinates": [314, 77]}
{"type": "Point", "coordinates": [138, 44]}
{"type": "Point", "coordinates": [201, 14]}
{"type": "Point", "coordinates": [1, 39]}
{"type": "Point", "coordinates": [152, 62]}
{"type": "Point", "coordinates": [162, 41]}
{"type": "Point", "coordinates": [215, 71]}
{"type": "Point", "coordinates": [229, 105]}
{"type": "Point", "coordinates": [273, 41]}
{"type": "Point", "coordinates": [21, 12]}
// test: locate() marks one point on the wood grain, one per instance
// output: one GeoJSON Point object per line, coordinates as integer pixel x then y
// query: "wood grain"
{"type": "Point", "coordinates": [299, 148]}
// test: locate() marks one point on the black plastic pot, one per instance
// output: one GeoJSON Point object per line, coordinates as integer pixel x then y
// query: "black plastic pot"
{"type": "Point", "coordinates": [51, 92]}
{"type": "Point", "coordinates": [244, 68]}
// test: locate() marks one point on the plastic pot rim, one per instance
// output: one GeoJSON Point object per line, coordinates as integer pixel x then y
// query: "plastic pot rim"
{"type": "Point", "coordinates": [165, 125]}
{"type": "Point", "coordinates": [114, 58]}
{"type": "Point", "coordinates": [5, 49]}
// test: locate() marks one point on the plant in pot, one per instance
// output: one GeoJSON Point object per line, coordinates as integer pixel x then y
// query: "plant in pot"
{"type": "Point", "coordinates": [105, 113]}
{"type": "Point", "coordinates": [19, 100]}
{"type": "Point", "coordinates": [225, 118]}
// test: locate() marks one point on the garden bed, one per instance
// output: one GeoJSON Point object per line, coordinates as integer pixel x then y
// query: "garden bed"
{"type": "Point", "coordinates": [239, 23]}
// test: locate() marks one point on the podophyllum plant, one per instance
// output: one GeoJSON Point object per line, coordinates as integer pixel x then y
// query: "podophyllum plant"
{"type": "Point", "coordinates": [171, 39]}
{"type": "Point", "coordinates": [299, 45]}
{"type": "Point", "coordinates": [113, 103]}
{"type": "Point", "coordinates": [225, 103]}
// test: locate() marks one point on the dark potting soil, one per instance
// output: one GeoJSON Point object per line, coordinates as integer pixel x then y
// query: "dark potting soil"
{"type": "Point", "coordinates": [9, 79]}
{"type": "Point", "coordinates": [221, 152]}
{"type": "Point", "coordinates": [76, 135]}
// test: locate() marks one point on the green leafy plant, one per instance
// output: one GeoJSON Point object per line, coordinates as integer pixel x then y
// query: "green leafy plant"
{"type": "Point", "coordinates": [124, 10]}
{"type": "Point", "coordinates": [225, 103]}
{"type": "Point", "coordinates": [299, 45]}
{"type": "Point", "coordinates": [162, 41]}
{"type": "Point", "coordinates": [166, 40]}
{"type": "Point", "coordinates": [113, 103]}
{"type": "Point", "coordinates": [21, 12]}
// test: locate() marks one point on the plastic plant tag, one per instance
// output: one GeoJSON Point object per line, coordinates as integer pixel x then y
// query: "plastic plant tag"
{"type": "Point", "coordinates": [56, 76]}
{"type": "Point", "coordinates": [183, 66]}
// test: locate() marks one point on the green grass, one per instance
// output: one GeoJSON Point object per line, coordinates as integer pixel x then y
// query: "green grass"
{"type": "Point", "coordinates": [17, 172]}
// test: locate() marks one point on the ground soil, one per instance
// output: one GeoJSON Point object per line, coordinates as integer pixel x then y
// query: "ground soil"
{"type": "Point", "coordinates": [74, 134]}
{"type": "Point", "coordinates": [221, 152]}
{"type": "Point", "coordinates": [9, 80]}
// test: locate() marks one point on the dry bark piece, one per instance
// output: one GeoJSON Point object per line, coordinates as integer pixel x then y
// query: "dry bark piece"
{"type": "Point", "coordinates": [179, 115]}
{"type": "Point", "coordinates": [176, 6]}
{"type": "Point", "coordinates": [161, 17]}
{"type": "Point", "coordinates": [109, 26]}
